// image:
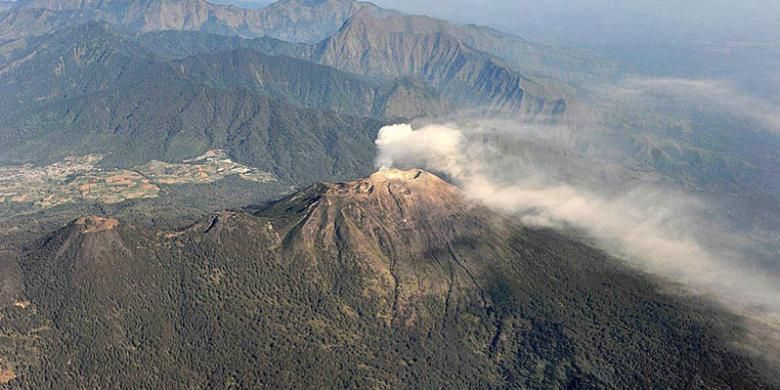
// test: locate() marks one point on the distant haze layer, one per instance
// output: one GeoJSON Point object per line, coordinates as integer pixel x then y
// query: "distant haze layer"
{"type": "Point", "coordinates": [602, 21]}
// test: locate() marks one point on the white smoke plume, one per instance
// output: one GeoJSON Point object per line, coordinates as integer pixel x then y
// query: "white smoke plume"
{"type": "Point", "coordinates": [657, 230]}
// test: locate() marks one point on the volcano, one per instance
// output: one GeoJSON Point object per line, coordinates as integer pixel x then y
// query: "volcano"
{"type": "Point", "coordinates": [380, 282]}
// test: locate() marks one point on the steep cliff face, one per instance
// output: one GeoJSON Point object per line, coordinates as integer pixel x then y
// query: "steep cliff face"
{"type": "Point", "coordinates": [305, 20]}
{"type": "Point", "coordinates": [420, 47]}
{"type": "Point", "coordinates": [407, 97]}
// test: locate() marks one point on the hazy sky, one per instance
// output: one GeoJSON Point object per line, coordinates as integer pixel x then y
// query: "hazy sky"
{"type": "Point", "coordinates": [609, 20]}
{"type": "Point", "coordinates": [606, 21]}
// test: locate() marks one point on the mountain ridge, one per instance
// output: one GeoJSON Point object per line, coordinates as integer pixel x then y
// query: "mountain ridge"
{"type": "Point", "coordinates": [312, 22]}
{"type": "Point", "coordinates": [312, 85]}
{"type": "Point", "coordinates": [292, 20]}
{"type": "Point", "coordinates": [387, 46]}
{"type": "Point", "coordinates": [552, 67]}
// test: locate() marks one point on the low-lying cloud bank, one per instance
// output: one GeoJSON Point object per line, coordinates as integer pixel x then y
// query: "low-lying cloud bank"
{"type": "Point", "coordinates": [721, 95]}
{"type": "Point", "coordinates": [656, 229]}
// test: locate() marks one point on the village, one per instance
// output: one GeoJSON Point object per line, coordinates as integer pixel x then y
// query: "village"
{"type": "Point", "coordinates": [79, 178]}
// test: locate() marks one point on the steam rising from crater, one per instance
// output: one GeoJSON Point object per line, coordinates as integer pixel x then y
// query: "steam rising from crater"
{"type": "Point", "coordinates": [439, 144]}
{"type": "Point", "coordinates": [656, 229]}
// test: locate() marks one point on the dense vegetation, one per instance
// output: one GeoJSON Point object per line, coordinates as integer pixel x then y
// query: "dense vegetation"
{"type": "Point", "coordinates": [319, 290]}
{"type": "Point", "coordinates": [106, 98]}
